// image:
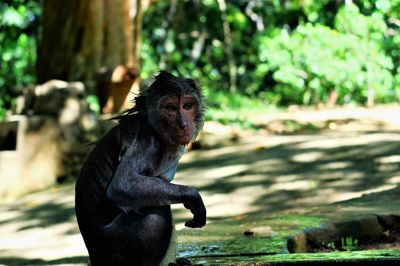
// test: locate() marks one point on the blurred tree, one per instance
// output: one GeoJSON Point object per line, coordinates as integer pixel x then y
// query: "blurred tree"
{"type": "Point", "coordinates": [346, 48]}
{"type": "Point", "coordinates": [19, 28]}
{"type": "Point", "coordinates": [227, 47]}
{"type": "Point", "coordinates": [79, 37]}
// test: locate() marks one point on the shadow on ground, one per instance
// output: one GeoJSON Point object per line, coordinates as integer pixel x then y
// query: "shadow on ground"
{"type": "Point", "coordinates": [11, 261]}
{"type": "Point", "coordinates": [244, 185]}
{"type": "Point", "coordinates": [42, 216]}
{"type": "Point", "coordinates": [279, 173]}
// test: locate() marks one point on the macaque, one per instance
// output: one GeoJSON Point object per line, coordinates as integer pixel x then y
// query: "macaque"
{"type": "Point", "coordinates": [124, 189]}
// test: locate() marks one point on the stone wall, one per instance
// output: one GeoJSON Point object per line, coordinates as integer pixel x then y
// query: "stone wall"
{"type": "Point", "coordinates": [48, 140]}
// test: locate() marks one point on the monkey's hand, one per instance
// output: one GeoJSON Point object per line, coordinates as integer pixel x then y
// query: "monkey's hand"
{"type": "Point", "coordinates": [196, 206]}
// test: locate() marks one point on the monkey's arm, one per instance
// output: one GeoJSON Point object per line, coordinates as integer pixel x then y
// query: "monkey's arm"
{"type": "Point", "coordinates": [131, 190]}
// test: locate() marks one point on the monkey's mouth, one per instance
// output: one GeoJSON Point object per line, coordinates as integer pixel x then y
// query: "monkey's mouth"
{"type": "Point", "coordinates": [184, 138]}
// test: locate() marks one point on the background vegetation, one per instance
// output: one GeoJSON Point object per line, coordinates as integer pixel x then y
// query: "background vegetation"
{"type": "Point", "coordinates": [245, 54]}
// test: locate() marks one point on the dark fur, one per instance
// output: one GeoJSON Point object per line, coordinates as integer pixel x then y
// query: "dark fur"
{"type": "Point", "coordinates": [122, 209]}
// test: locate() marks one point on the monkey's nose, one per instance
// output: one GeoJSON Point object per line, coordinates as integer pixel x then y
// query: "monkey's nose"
{"type": "Point", "coordinates": [182, 125]}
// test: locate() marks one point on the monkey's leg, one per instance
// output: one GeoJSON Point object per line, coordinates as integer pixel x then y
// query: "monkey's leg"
{"type": "Point", "coordinates": [170, 255]}
{"type": "Point", "coordinates": [141, 237]}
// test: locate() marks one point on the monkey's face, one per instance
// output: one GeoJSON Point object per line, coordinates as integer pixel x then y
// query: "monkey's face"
{"type": "Point", "coordinates": [174, 119]}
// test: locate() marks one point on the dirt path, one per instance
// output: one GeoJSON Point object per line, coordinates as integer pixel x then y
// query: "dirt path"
{"type": "Point", "coordinates": [238, 174]}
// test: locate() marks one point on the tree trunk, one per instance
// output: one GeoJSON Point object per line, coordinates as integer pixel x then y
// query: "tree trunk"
{"type": "Point", "coordinates": [228, 47]}
{"type": "Point", "coordinates": [80, 37]}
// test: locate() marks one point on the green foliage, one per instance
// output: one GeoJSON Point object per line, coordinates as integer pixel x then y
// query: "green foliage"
{"type": "Point", "coordinates": [314, 60]}
{"type": "Point", "coordinates": [284, 52]}
{"type": "Point", "coordinates": [93, 102]}
{"type": "Point", "coordinates": [343, 244]}
{"type": "Point", "coordinates": [18, 31]}
{"type": "Point", "coordinates": [349, 244]}
{"type": "Point", "coordinates": [307, 48]}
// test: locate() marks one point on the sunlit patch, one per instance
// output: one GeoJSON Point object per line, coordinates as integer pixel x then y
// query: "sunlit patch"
{"type": "Point", "coordinates": [225, 171]}
{"type": "Point", "coordinates": [329, 143]}
{"type": "Point", "coordinates": [286, 178]}
{"type": "Point", "coordinates": [332, 126]}
{"type": "Point", "coordinates": [9, 215]}
{"type": "Point", "coordinates": [333, 176]}
{"type": "Point", "coordinates": [248, 178]}
{"type": "Point", "coordinates": [269, 163]}
{"type": "Point", "coordinates": [219, 203]}
{"type": "Point", "coordinates": [347, 181]}
{"type": "Point", "coordinates": [243, 201]}
{"type": "Point", "coordinates": [211, 153]}
{"type": "Point", "coordinates": [387, 167]}
{"type": "Point", "coordinates": [308, 157]}
{"type": "Point", "coordinates": [394, 180]}
{"type": "Point", "coordinates": [347, 195]}
{"type": "Point", "coordinates": [295, 185]}
{"type": "Point", "coordinates": [334, 165]}
{"type": "Point", "coordinates": [389, 159]}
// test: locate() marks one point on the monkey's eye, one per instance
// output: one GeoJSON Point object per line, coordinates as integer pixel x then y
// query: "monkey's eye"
{"type": "Point", "coordinates": [171, 108]}
{"type": "Point", "coordinates": [188, 106]}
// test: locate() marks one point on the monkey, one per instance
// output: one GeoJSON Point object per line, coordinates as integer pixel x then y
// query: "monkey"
{"type": "Point", "coordinates": [123, 192]}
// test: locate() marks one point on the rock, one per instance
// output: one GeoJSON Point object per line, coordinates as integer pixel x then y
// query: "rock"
{"type": "Point", "coordinates": [344, 235]}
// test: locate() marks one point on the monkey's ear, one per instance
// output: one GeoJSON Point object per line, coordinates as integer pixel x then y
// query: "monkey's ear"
{"type": "Point", "coordinates": [192, 83]}
{"type": "Point", "coordinates": [164, 75]}
{"type": "Point", "coordinates": [196, 89]}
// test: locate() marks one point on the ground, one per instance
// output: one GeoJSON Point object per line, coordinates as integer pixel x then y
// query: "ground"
{"type": "Point", "coordinates": [302, 168]}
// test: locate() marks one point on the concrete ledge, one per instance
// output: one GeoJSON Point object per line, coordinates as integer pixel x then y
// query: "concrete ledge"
{"type": "Point", "coordinates": [34, 162]}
